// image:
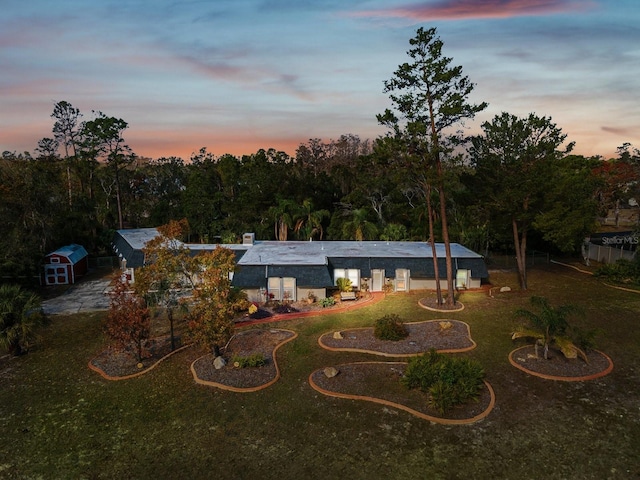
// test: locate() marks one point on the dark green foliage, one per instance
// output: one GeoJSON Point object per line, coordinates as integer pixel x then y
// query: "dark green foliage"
{"type": "Point", "coordinates": [390, 327]}
{"type": "Point", "coordinates": [254, 360]}
{"type": "Point", "coordinates": [585, 339]}
{"type": "Point", "coordinates": [449, 381]}
{"type": "Point", "coordinates": [622, 271]}
{"type": "Point", "coordinates": [20, 318]}
{"type": "Point", "coordinates": [327, 302]}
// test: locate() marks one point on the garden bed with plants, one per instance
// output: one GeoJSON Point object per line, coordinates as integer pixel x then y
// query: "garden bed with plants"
{"type": "Point", "coordinates": [558, 366]}
{"type": "Point", "coordinates": [375, 381]}
{"type": "Point", "coordinates": [443, 335]}
{"type": "Point", "coordinates": [115, 362]}
{"type": "Point", "coordinates": [250, 360]}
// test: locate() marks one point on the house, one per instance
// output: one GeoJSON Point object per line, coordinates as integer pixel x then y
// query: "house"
{"type": "Point", "coordinates": [65, 265]}
{"type": "Point", "coordinates": [292, 270]}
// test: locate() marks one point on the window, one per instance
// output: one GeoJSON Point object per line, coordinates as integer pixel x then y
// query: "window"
{"type": "Point", "coordinates": [282, 288]}
{"type": "Point", "coordinates": [54, 260]}
{"type": "Point", "coordinates": [402, 280]}
{"type": "Point", "coordinates": [350, 273]}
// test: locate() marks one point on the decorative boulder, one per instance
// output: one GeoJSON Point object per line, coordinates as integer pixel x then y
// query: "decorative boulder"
{"type": "Point", "coordinates": [219, 363]}
{"type": "Point", "coordinates": [337, 335]}
{"type": "Point", "coordinates": [505, 289]}
{"type": "Point", "coordinates": [330, 372]}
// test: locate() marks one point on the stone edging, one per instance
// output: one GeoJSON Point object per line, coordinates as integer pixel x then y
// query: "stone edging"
{"type": "Point", "coordinates": [209, 383]}
{"type": "Point", "coordinates": [441, 310]}
{"type": "Point", "coordinates": [137, 374]}
{"type": "Point", "coordinates": [398, 355]}
{"type": "Point", "coordinates": [424, 416]}
{"type": "Point", "coordinates": [593, 376]}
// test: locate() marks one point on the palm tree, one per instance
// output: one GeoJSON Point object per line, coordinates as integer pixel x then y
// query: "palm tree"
{"type": "Point", "coordinates": [359, 227]}
{"type": "Point", "coordinates": [20, 317]}
{"type": "Point", "coordinates": [309, 223]}
{"type": "Point", "coordinates": [283, 215]}
{"type": "Point", "coordinates": [549, 327]}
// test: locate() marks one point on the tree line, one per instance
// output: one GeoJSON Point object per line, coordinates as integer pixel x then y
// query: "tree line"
{"type": "Point", "coordinates": [514, 186]}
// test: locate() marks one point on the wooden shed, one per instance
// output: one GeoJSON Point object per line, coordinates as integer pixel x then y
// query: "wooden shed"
{"type": "Point", "coordinates": [65, 265]}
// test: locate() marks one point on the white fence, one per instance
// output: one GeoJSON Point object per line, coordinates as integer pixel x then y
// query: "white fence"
{"type": "Point", "coordinates": [603, 254]}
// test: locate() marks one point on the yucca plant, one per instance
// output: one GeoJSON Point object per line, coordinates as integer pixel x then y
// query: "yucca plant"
{"type": "Point", "coordinates": [549, 327]}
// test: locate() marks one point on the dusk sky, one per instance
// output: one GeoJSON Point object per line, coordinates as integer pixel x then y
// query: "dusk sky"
{"type": "Point", "coordinates": [235, 76]}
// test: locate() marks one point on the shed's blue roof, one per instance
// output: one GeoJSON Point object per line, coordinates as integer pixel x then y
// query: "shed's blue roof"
{"type": "Point", "coordinates": [73, 252]}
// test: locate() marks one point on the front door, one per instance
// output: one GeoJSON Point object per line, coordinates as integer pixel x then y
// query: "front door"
{"type": "Point", "coordinates": [377, 280]}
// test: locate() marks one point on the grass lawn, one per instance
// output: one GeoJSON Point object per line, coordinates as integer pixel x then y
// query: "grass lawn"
{"type": "Point", "coordinates": [60, 420]}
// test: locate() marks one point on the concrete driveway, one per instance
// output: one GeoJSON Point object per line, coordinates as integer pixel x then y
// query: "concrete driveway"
{"type": "Point", "coordinates": [86, 296]}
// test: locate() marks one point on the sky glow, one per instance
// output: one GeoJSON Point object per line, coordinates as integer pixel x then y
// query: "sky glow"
{"type": "Point", "coordinates": [235, 76]}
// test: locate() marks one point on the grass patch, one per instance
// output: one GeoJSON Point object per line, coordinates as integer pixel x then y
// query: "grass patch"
{"type": "Point", "coordinates": [58, 419]}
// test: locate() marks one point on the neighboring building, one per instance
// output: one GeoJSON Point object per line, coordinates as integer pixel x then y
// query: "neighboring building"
{"type": "Point", "coordinates": [65, 265]}
{"type": "Point", "coordinates": [293, 269]}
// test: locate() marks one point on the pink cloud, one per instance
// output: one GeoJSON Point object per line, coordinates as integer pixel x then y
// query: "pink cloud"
{"type": "Point", "coordinates": [470, 9]}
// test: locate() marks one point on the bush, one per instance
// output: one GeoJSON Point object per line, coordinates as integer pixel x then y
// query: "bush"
{"type": "Point", "coordinates": [390, 327]}
{"type": "Point", "coordinates": [622, 271]}
{"type": "Point", "coordinates": [448, 381]}
{"type": "Point", "coordinates": [254, 360]}
{"type": "Point", "coordinates": [327, 302]}
{"type": "Point", "coordinates": [343, 284]}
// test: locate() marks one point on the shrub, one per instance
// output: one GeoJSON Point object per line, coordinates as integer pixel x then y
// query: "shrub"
{"type": "Point", "coordinates": [622, 271]}
{"type": "Point", "coordinates": [327, 302]}
{"type": "Point", "coordinates": [343, 284]}
{"type": "Point", "coordinates": [390, 327]}
{"type": "Point", "coordinates": [388, 287]}
{"type": "Point", "coordinates": [448, 381]}
{"type": "Point", "coordinates": [254, 360]}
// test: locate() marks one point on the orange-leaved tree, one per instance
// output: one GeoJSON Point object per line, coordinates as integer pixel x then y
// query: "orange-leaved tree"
{"type": "Point", "coordinates": [215, 301]}
{"type": "Point", "coordinates": [128, 322]}
{"type": "Point", "coordinates": [169, 269]}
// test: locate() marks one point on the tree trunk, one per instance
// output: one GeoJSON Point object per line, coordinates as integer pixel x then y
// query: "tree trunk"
{"type": "Point", "coordinates": [520, 243]}
{"type": "Point", "coordinates": [173, 338]}
{"type": "Point", "coordinates": [451, 299]}
{"type": "Point", "coordinates": [433, 247]}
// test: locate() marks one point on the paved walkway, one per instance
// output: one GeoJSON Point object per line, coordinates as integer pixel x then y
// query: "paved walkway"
{"type": "Point", "coordinates": [86, 296]}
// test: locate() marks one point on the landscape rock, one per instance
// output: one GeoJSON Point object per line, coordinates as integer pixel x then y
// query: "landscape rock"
{"type": "Point", "coordinates": [330, 372]}
{"type": "Point", "coordinates": [337, 335]}
{"type": "Point", "coordinates": [505, 289]}
{"type": "Point", "coordinates": [219, 363]}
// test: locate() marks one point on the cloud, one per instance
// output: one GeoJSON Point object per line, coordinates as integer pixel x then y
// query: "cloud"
{"type": "Point", "coordinates": [473, 9]}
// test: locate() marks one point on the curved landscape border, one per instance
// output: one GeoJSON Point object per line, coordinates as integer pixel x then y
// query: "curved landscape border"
{"type": "Point", "coordinates": [583, 378]}
{"type": "Point", "coordinates": [424, 416]}
{"type": "Point", "coordinates": [230, 388]}
{"type": "Point", "coordinates": [441, 310]}
{"type": "Point", "coordinates": [398, 355]}
{"type": "Point", "coordinates": [137, 374]}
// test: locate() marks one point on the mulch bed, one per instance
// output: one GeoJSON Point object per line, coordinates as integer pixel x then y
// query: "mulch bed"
{"type": "Point", "coordinates": [382, 380]}
{"type": "Point", "coordinates": [558, 365]}
{"type": "Point", "coordinates": [422, 337]}
{"type": "Point", "coordinates": [115, 362]}
{"type": "Point", "coordinates": [243, 344]}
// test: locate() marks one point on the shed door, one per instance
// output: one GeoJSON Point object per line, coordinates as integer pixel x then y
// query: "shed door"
{"type": "Point", "coordinates": [56, 275]}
